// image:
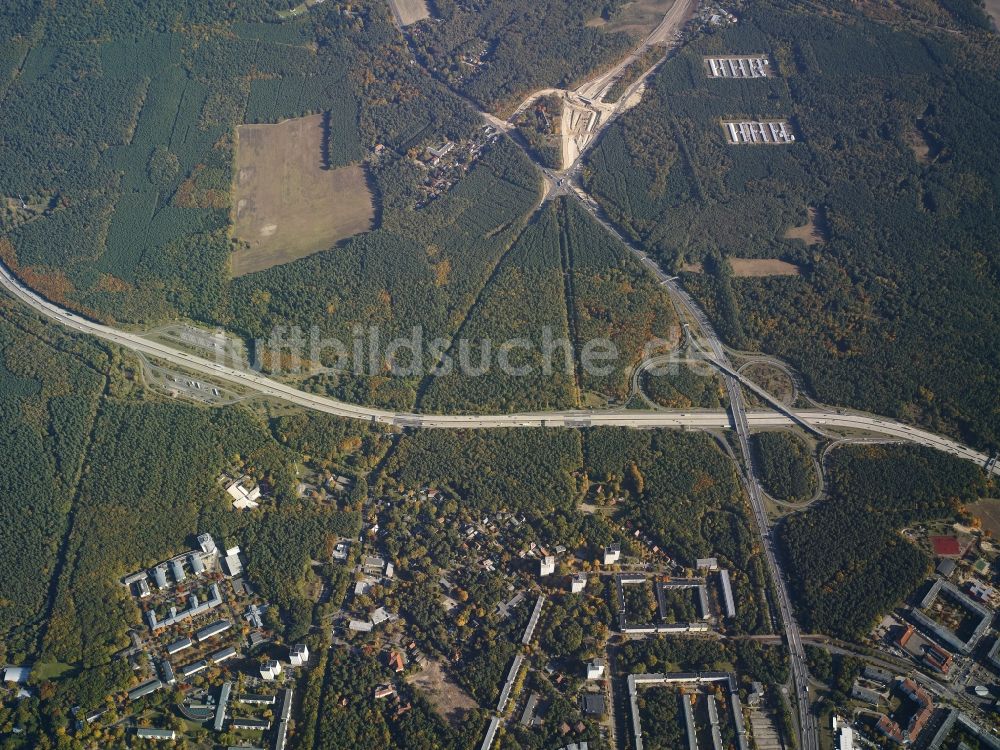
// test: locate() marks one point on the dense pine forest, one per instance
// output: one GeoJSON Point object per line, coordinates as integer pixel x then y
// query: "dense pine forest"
{"type": "Point", "coordinates": [897, 159]}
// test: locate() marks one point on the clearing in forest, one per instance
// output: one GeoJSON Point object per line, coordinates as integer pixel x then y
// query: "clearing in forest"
{"type": "Point", "coordinates": [287, 204]}
{"type": "Point", "coordinates": [759, 267]}
{"type": "Point", "coordinates": [752, 267]}
{"type": "Point", "coordinates": [444, 694]}
{"type": "Point", "coordinates": [637, 18]}
{"type": "Point", "coordinates": [409, 11]}
{"type": "Point", "coordinates": [992, 8]}
{"type": "Point", "coordinates": [811, 232]}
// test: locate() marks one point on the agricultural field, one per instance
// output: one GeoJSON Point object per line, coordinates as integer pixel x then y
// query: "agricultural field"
{"type": "Point", "coordinates": [132, 223]}
{"type": "Point", "coordinates": [286, 204]}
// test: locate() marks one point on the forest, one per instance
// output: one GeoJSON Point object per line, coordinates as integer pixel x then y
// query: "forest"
{"type": "Point", "coordinates": [785, 465]}
{"type": "Point", "coordinates": [843, 581]}
{"type": "Point", "coordinates": [563, 293]}
{"type": "Point", "coordinates": [496, 52]}
{"type": "Point", "coordinates": [110, 479]}
{"type": "Point", "coordinates": [613, 299]}
{"type": "Point", "coordinates": [894, 150]}
{"type": "Point", "coordinates": [49, 396]}
{"type": "Point", "coordinates": [523, 299]}
{"type": "Point", "coordinates": [142, 188]}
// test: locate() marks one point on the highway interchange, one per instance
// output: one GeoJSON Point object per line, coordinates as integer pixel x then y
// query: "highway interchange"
{"type": "Point", "coordinates": [739, 418]}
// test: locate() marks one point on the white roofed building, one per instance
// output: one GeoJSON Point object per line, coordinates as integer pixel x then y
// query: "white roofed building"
{"type": "Point", "coordinates": [547, 566]}
{"type": "Point", "coordinates": [298, 655]}
{"type": "Point", "coordinates": [270, 670]}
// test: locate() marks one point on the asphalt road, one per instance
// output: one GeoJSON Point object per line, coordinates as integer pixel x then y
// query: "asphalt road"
{"type": "Point", "coordinates": [694, 419]}
{"type": "Point", "coordinates": [808, 729]}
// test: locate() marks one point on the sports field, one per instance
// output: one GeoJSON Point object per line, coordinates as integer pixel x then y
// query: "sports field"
{"type": "Point", "coordinates": [286, 204]}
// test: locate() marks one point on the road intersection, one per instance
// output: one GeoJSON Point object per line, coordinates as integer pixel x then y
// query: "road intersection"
{"type": "Point", "coordinates": [737, 418]}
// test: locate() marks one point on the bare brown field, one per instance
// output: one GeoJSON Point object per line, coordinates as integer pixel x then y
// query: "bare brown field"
{"type": "Point", "coordinates": [409, 11]}
{"type": "Point", "coordinates": [757, 268]}
{"type": "Point", "coordinates": [810, 232]}
{"type": "Point", "coordinates": [752, 267]}
{"type": "Point", "coordinates": [993, 10]}
{"type": "Point", "coordinates": [445, 695]}
{"type": "Point", "coordinates": [987, 511]}
{"type": "Point", "coordinates": [918, 145]}
{"type": "Point", "coordinates": [637, 18]}
{"type": "Point", "coordinates": [286, 205]}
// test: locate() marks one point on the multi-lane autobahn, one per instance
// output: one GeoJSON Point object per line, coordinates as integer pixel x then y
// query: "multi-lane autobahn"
{"type": "Point", "coordinates": [737, 418]}
{"type": "Point", "coordinates": [709, 419]}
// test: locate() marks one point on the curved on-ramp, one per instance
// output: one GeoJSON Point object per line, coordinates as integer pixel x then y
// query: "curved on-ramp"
{"type": "Point", "coordinates": [695, 419]}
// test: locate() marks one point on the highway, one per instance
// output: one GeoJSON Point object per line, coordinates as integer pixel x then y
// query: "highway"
{"type": "Point", "coordinates": [707, 419]}
{"type": "Point", "coordinates": [808, 729]}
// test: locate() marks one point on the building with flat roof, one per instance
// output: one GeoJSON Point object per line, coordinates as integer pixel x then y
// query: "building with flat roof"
{"type": "Point", "coordinates": [944, 634]}
{"type": "Point", "coordinates": [270, 670]}
{"type": "Point", "coordinates": [547, 566]}
{"type": "Point", "coordinates": [231, 563]}
{"type": "Point", "coordinates": [946, 567]}
{"type": "Point", "coordinates": [17, 675]}
{"type": "Point", "coordinates": [578, 583]}
{"type": "Point", "coordinates": [612, 554]}
{"type": "Point", "coordinates": [207, 544]}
